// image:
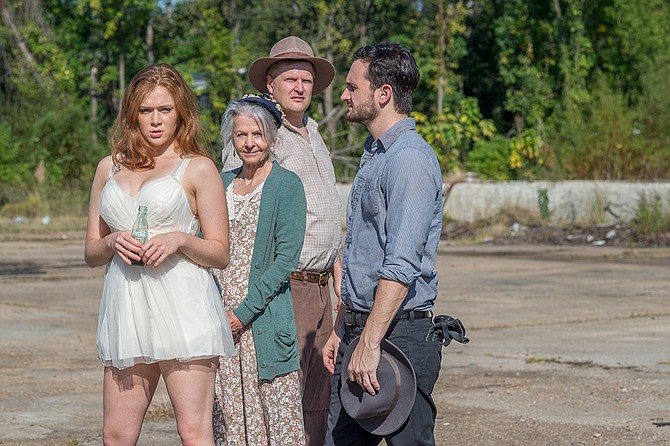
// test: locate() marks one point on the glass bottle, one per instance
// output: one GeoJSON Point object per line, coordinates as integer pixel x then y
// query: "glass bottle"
{"type": "Point", "coordinates": [140, 230]}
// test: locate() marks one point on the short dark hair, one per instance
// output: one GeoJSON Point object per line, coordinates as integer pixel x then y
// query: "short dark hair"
{"type": "Point", "coordinates": [393, 64]}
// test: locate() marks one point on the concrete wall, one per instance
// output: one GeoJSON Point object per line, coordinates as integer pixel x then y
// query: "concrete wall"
{"type": "Point", "coordinates": [569, 201]}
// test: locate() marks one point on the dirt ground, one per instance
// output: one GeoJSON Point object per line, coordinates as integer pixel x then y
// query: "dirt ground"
{"type": "Point", "coordinates": [569, 346]}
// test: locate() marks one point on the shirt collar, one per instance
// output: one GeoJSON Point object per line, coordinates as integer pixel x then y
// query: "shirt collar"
{"type": "Point", "coordinates": [288, 125]}
{"type": "Point", "coordinates": [389, 136]}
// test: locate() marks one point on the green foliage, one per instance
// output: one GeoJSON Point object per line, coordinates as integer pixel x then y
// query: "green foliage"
{"type": "Point", "coordinates": [34, 206]}
{"type": "Point", "coordinates": [12, 170]}
{"type": "Point", "coordinates": [490, 159]}
{"type": "Point", "coordinates": [610, 140]}
{"type": "Point", "coordinates": [651, 124]}
{"type": "Point", "coordinates": [453, 133]}
{"type": "Point", "coordinates": [651, 223]}
{"type": "Point", "coordinates": [598, 213]}
{"type": "Point", "coordinates": [633, 40]}
{"type": "Point", "coordinates": [528, 90]}
{"type": "Point", "coordinates": [525, 63]}
{"type": "Point", "coordinates": [62, 136]}
{"type": "Point", "coordinates": [543, 203]}
{"type": "Point", "coordinates": [525, 154]}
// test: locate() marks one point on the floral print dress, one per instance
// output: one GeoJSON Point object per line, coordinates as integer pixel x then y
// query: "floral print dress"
{"type": "Point", "coordinates": [249, 411]}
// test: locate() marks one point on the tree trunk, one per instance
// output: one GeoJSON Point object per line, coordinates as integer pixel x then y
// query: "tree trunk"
{"type": "Point", "coordinates": [238, 72]}
{"type": "Point", "coordinates": [149, 40]}
{"type": "Point", "coordinates": [122, 76]}
{"type": "Point", "coordinates": [8, 20]}
{"type": "Point", "coordinates": [441, 63]}
{"type": "Point", "coordinates": [168, 12]}
{"type": "Point", "coordinates": [331, 125]}
{"type": "Point", "coordinates": [94, 105]}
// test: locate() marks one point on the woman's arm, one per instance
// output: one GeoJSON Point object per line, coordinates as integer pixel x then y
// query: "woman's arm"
{"type": "Point", "coordinates": [289, 234]}
{"type": "Point", "coordinates": [207, 198]}
{"type": "Point", "coordinates": [101, 244]}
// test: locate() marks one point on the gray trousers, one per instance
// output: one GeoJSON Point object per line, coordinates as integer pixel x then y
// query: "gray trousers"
{"type": "Point", "coordinates": [425, 356]}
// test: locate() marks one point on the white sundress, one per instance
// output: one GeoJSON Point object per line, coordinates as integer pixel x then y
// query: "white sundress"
{"type": "Point", "coordinates": [152, 314]}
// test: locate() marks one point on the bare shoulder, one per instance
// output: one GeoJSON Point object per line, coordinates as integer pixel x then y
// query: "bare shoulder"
{"type": "Point", "coordinates": [104, 167]}
{"type": "Point", "coordinates": [202, 164]}
{"type": "Point", "coordinates": [201, 170]}
{"type": "Point", "coordinates": [105, 163]}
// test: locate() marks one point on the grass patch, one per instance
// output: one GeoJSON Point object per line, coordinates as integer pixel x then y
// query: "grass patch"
{"type": "Point", "coordinates": [559, 360]}
{"type": "Point", "coordinates": [42, 225]}
{"type": "Point", "coordinates": [513, 224]}
{"type": "Point", "coordinates": [651, 224]}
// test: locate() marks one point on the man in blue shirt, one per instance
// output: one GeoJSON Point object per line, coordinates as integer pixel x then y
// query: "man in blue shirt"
{"type": "Point", "coordinates": [394, 221]}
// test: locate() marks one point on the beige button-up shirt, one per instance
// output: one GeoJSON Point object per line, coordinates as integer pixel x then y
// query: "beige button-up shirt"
{"type": "Point", "coordinates": [312, 164]}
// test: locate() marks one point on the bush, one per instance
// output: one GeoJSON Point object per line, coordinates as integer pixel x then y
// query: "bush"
{"type": "Point", "coordinates": [33, 207]}
{"type": "Point", "coordinates": [490, 159]}
{"type": "Point", "coordinates": [613, 137]}
{"type": "Point", "coordinates": [651, 223]}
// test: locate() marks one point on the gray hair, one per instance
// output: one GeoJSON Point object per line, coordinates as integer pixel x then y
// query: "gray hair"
{"type": "Point", "coordinates": [260, 114]}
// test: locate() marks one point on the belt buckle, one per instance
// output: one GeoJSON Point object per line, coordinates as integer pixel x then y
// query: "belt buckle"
{"type": "Point", "coordinates": [355, 319]}
{"type": "Point", "coordinates": [320, 279]}
{"type": "Point", "coordinates": [323, 278]}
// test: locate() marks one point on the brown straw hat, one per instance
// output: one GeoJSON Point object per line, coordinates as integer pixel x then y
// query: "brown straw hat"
{"type": "Point", "coordinates": [386, 412]}
{"type": "Point", "coordinates": [291, 48]}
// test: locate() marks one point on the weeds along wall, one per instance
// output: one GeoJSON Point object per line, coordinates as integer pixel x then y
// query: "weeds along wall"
{"type": "Point", "coordinates": [557, 202]}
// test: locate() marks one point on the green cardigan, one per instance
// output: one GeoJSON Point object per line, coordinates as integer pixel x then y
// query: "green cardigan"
{"type": "Point", "coordinates": [279, 238]}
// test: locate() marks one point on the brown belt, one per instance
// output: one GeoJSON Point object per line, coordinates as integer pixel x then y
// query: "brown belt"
{"type": "Point", "coordinates": [306, 276]}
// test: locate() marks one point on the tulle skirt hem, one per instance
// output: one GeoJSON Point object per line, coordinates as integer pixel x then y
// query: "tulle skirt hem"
{"type": "Point", "coordinates": [131, 362]}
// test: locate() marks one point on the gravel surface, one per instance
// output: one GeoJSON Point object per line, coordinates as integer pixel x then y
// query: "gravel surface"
{"type": "Point", "coordinates": [569, 346]}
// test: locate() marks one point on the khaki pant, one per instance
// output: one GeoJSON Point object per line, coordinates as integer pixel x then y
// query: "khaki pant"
{"type": "Point", "coordinates": [314, 324]}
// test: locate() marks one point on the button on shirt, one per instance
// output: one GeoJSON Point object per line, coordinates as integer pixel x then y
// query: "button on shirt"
{"type": "Point", "coordinates": [394, 220]}
{"type": "Point", "coordinates": [312, 164]}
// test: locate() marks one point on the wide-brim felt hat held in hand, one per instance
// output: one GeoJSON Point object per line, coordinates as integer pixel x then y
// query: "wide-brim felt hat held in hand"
{"type": "Point", "coordinates": [291, 48]}
{"type": "Point", "coordinates": [385, 412]}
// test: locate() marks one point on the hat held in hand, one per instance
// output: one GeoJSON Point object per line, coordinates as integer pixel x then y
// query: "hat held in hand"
{"type": "Point", "coordinates": [387, 410]}
{"type": "Point", "coordinates": [291, 48]}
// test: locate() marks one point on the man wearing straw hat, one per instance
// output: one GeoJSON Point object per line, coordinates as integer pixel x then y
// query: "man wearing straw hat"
{"type": "Point", "coordinates": [292, 74]}
{"type": "Point", "coordinates": [385, 366]}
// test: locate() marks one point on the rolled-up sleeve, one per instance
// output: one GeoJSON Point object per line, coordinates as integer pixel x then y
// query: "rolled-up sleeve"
{"type": "Point", "coordinates": [394, 220]}
{"type": "Point", "coordinates": [410, 191]}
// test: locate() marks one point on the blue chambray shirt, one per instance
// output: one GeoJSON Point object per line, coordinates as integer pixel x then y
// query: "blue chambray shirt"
{"type": "Point", "coordinates": [394, 220]}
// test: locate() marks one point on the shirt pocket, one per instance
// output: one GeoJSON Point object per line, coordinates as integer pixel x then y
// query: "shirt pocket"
{"type": "Point", "coordinates": [370, 199]}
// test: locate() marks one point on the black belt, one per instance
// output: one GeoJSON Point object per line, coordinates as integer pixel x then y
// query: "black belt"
{"type": "Point", "coordinates": [358, 319]}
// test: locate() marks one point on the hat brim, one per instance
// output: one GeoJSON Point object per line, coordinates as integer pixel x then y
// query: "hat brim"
{"type": "Point", "coordinates": [391, 422]}
{"type": "Point", "coordinates": [324, 72]}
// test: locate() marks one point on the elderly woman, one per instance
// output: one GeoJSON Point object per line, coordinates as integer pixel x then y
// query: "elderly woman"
{"type": "Point", "coordinates": [258, 397]}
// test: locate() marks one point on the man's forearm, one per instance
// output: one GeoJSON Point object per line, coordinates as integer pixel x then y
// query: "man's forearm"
{"type": "Point", "coordinates": [388, 299]}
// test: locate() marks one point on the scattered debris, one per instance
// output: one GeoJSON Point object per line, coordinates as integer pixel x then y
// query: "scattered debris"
{"type": "Point", "coordinates": [616, 234]}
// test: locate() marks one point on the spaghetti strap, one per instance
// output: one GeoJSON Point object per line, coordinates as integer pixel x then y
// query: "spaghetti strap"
{"type": "Point", "coordinates": [112, 171]}
{"type": "Point", "coordinates": [181, 168]}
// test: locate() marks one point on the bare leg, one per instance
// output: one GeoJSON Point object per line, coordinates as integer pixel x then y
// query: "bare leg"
{"type": "Point", "coordinates": [127, 394]}
{"type": "Point", "coordinates": [191, 389]}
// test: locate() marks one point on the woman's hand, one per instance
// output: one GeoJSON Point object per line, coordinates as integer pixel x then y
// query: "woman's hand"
{"type": "Point", "coordinates": [125, 246]}
{"type": "Point", "coordinates": [160, 247]}
{"type": "Point", "coordinates": [235, 324]}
